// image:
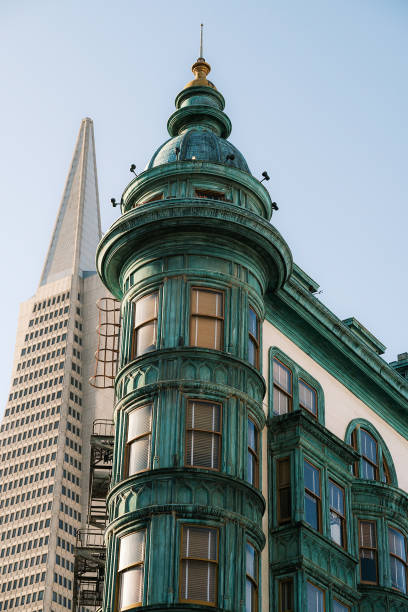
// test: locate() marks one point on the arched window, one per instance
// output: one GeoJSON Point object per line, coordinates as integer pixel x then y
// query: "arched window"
{"type": "Point", "coordinates": [375, 461]}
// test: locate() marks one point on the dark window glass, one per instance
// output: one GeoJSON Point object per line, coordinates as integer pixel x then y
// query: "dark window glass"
{"type": "Point", "coordinates": [131, 570]}
{"type": "Point", "coordinates": [282, 388]}
{"type": "Point", "coordinates": [284, 490]}
{"type": "Point", "coordinates": [145, 331]}
{"type": "Point", "coordinates": [386, 476]}
{"type": "Point", "coordinates": [368, 449]}
{"type": "Point", "coordinates": [398, 559]}
{"type": "Point", "coordinates": [337, 514]}
{"type": "Point", "coordinates": [251, 586]}
{"type": "Point", "coordinates": [253, 460]}
{"type": "Point", "coordinates": [286, 595]}
{"type": "Point", "coordinates": [368, 551]}
{"type": "Point", "coordinates": [253, 339]}
{"type": "Point", "coordinates": [312, 495]}
{"type": "Point", "coordinates": [207, 319]}
{"type": "Point", "coordinates": [307, 397]}
{"type": "Point", "coordinates": [199, 560]}
{"type": "Point", "coordinates": [203, 434]}
{"type": "Point", "coordinates": [315, 598]}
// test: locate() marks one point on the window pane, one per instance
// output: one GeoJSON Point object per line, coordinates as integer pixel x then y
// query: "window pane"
{"type": "Point", "coordinates": [139, 422]}
{"type": "Point", "coordinates": [315, 598]}
{"type": "Point", "coordinates": [336, 529]}
{"type": "Point", "coordinates": [146, 338]}
{"type": "Point", "coordinates": [286, 596]}
{"type": "Point", "coordinates": [202, 449]}
{"type": "Point", "coordinates": [307, 397]}
{"type": "Point", "coordinates": [139, 455]}
{"type": "Point", "coordinates": [200, 543]}
{"type": "Point", "coordinates": [203, 415]}
{"type": "Point", "coordinates": [398, 575]}
{"type": "Point", "coordinates": [252, 470]}
{"type": "Point", "coordinates": [397, 543]}
{"type": "Point", "coordinates": [206, 332]}
{"type": "Point", "coordinates": [131, 549]}
{"type": "Point", "coordinates": [198, 581]}
{"type": "Point", "coordinates": [250, 596]}
{"type": "Point", "coordinates": [312, 478]}
{"type": "Point", "coordinates": [339, 607]}
{"type": "Point", "coordinates": [368, 537]}
{"type": "Point", "coordinates": [207, 303]}
{"type": "Point", "coordinates": [368, 446]}
{"type": "Point", "coordinates": [368, 561]}
{"type": "Point", "coordinates": [131, 587]}
{"type": "Point", "coordinates": [146, 308]}
{"type": "Point", "coordinates": [251, 561]}
{"type": "Point", "coordinates": [281, 402]}
{"type": "Point", "coordinates": [252, 352]}
{"type": "Point", "coordinates": [252, 323]}
{"type": "Point", "coordinates": [367, 470]}
{"type": "Point", "coordinates": [252, 436]}
{"type": "Point", "coordinates": [311, 511]}
{"type": "Point", "coordinates": [282, 376]}
{"type": "Point", "coordinates": [336, 498]}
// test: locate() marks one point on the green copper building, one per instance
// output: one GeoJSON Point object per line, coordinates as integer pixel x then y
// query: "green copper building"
{"type": "Point", "coordinates": [260, 458]}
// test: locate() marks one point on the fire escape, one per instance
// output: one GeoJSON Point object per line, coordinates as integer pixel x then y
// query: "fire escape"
{"type": "Point", "coordinates": [90, 551]}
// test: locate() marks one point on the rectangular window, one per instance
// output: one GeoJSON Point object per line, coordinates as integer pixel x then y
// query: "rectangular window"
{"type": "Point", "coordinates": [282, 388]}
{"type": "Point", "coordinates": [251, 585]}
{"type": "Point", "coordinates": [199, 565]}
{"type": "Point", "coordinates": [398, 559]}
{"type": "Point", "coordinates": [307, 397]}
{"type": "Point", "coordinates": [207, 318]}
{"type": "Point", "coordinates": [286, 595]}
{"type": "Point", "coordinates": [145, 330]}
{"type": "Point", "coordinates": [203, 434]}
{"type": "Point", "coordinates": [315, 598]}
{"type": "Point", "coordinates": [312, 495]}
{"type": "Point", "coordinates": [340, 607]}
{"type": "Point", "coordinates": [368, 551]}
{"type": "Point", "coordinates": [337, 514]}
{"type": "Point", "coordinates": [138, 447]}
{"type": "Point", "coordinates": [253, 452]}
{"type": "Point", "coordinates": [131, 570]}
{"type": "Point", "coordinates": [210, 195]}
{"type": "Point", "coordinates": [284, 490]}
{"type": "Point", "coordinates": [253, 338]}
{"type": "Point", "coordinates": [369, 461]}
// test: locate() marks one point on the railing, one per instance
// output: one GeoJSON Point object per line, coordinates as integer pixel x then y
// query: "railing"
{"type": "Point", "coordinates": [90, 538]}
{"type": "Point", "coordinates": [103, 428]}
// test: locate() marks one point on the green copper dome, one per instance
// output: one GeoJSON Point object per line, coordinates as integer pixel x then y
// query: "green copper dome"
{"type": "Point", "coordinates": [199, 128]}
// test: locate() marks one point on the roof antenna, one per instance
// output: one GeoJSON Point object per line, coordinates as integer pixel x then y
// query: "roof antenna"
{"type": "Point", "coordinates": [201, 41]}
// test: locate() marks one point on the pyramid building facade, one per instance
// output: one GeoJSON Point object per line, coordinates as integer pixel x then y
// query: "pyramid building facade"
{"type": "Point", "coordinates": [47, 424]}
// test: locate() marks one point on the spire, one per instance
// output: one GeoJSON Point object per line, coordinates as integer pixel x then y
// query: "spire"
{"type": "Point", "coordinates": [200, 68]}
{"type": "Point", "coordinates": [77, 229]}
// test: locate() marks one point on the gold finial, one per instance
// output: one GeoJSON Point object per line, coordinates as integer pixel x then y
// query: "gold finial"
{"type": "Point", "coordinates": [201, 68]}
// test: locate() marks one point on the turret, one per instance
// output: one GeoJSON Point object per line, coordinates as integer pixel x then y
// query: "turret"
{"type": "Point", "coordinates": [190, 258]}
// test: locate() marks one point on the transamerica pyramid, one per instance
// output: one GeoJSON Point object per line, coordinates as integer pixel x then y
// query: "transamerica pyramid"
{"type": "Point", "coordinates": [46, 429]}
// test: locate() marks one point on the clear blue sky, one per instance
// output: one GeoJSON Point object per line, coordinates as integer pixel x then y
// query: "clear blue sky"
{"type": "Point", "coordinates": [317, 94]}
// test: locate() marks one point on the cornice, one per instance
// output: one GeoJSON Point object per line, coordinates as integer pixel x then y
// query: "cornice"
{"type": "Point", "coordinates": [153, 222]}
{"type": "Point", "coordinates": [292, 295]}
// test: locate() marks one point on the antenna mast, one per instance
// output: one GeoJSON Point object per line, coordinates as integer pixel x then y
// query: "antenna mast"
{"type": "Point", "coordinates": [201, 40]}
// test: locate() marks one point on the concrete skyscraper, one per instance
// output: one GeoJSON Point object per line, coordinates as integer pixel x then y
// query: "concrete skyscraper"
{"type": "Point", "coordinates": [46, 429]}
